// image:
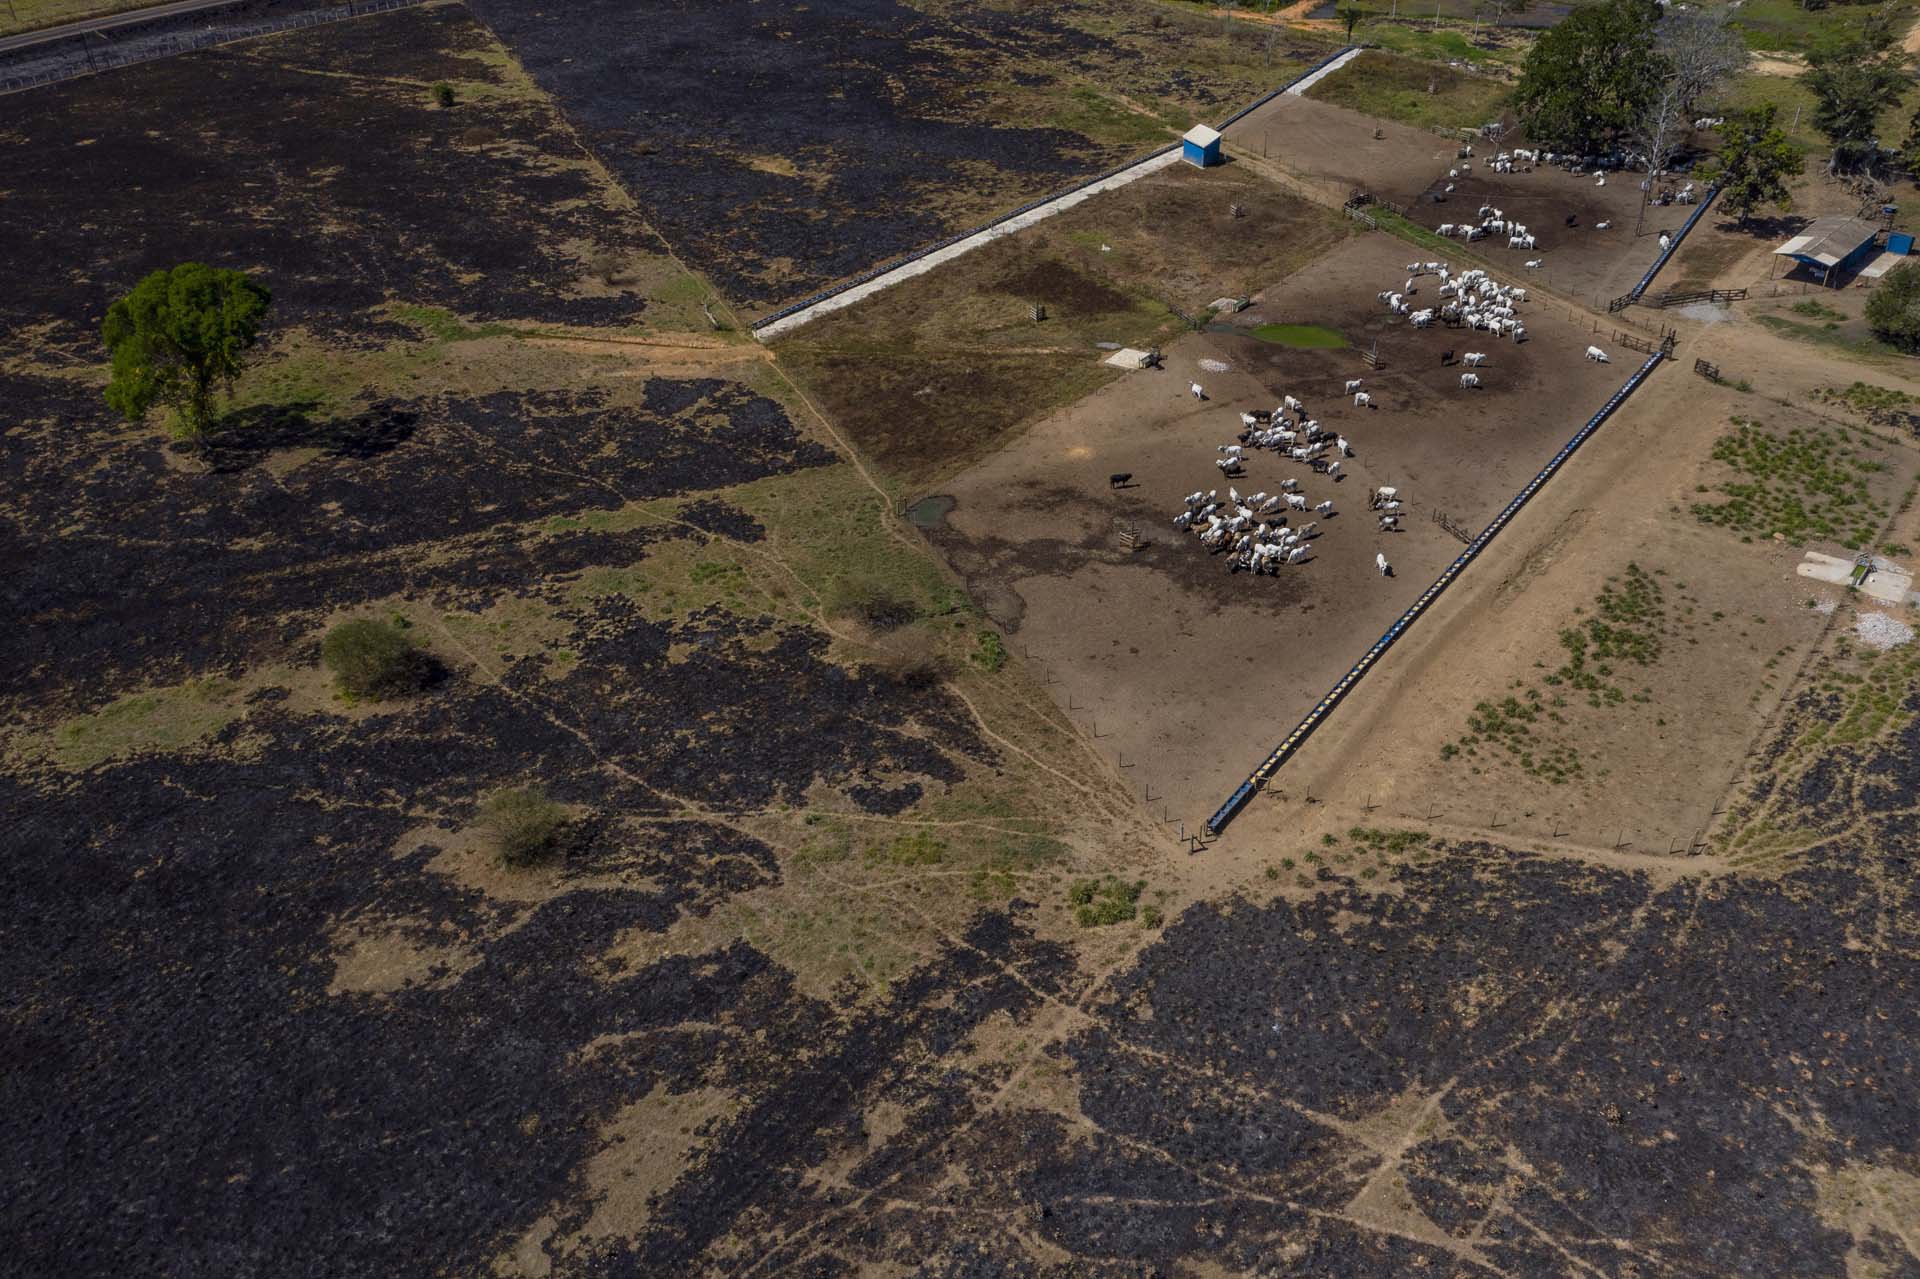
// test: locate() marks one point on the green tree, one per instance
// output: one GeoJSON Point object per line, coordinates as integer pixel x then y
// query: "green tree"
{"type": "Point", "coordinates": [1854, 79]}
{"type": "Point", "coordinates": [1894, 309]}
{"type": "Point", "coordinates": [374, 660]}
{"type": "Point", "coordinates": [180, 334]}
{"type": "Point", "coordinates": [1351, 15]}
{"type": "Point", "coordinates": [1756, 159]}
{"type": "Point", "coordinates": [1590, 78]}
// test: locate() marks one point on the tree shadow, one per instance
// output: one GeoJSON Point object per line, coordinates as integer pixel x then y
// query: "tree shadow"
{"type": "Point", "coordinates": [240, 439]}
{"type": "Point", "coordinates": [1778, 227]}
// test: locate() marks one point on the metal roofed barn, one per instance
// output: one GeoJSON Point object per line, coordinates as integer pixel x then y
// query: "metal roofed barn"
{"type": "Point", "coordinates": [1834, 247]}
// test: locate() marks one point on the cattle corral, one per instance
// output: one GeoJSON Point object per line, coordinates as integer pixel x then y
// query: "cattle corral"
{"type": "Point", "coordinates": [1163, 647]}
{"type": "Point", "coordinates": [1580, 260]}
{"type": "Point", "coordinates": [1335, 151]}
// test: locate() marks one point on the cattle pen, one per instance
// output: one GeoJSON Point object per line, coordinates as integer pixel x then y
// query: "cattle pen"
{"type": "Point", "coordinates": [1261, 775]}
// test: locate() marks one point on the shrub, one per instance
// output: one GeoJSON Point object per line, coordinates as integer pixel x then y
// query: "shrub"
{"type": "Point", "coordinates": [524, 824]}
{"type": "Point", "coordinates": [605, 266]}
{"type": "Point", "coordinates": [918, 848]}
{"type": "Point", "coordinates": [991, 651]}
{"type": "Point", "coordinates": [1106, 901]}
{"type": "Point", "coordinates": [1151, 917]}
{"type": "Point", "coordinates": [870, 602]}
{"type": "Point", "coordinates": [1894, 309]}
{"type": "Point", "coordinates": [443, 94]}
{"type": "Point", "coordinates": [374, 660]}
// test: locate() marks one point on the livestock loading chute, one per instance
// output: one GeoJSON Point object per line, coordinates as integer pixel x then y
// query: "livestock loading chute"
{"type": "Point", "coordinates": [1260, 776]}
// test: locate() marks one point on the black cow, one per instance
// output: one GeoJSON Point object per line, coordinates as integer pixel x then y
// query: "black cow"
{"type": "Point", "coordinates": [1119, 479]}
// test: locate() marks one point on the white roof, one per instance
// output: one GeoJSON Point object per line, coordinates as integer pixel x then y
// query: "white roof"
{"type": "Point", "coordinates": [1202, 136]}
{"type": "Point", "coordinates": [1829, 240]}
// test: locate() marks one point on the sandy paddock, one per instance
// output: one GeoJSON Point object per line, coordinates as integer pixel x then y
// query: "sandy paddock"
{"type": "Point", "coordinates": [1580, 260]}
{"type": "Point", "coordinates": [1187, 673]}
{"type": "Point", "coordinates": [1335, 151]}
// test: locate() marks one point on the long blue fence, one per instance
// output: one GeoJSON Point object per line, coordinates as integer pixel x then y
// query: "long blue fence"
{"type": "Point", "coordinates": [1673, 246]}
{"type": "Point", "coordinates": [1315, 717]}
{"type": "Point", "coordinates": [894, 264]}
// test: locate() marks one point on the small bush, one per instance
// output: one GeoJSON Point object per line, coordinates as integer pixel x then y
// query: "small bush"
{"type": "Point", "coordinates": [525, 825]}
{"type": "Point", "coordinates": [1893, 309]}
{"type": "Point", "coordinates": [919, 848]}
{"type": "Point", "coordinates": [871, 603]}
{"type": "Point", "coordinates": [374, 660]}
{"type": "Point", "coordinates": [605, 265]}
{"type": "Point", "coordinates": [991, 652]}
{"type": "Point", "coordinates": [443, 95]}
{"type": "Point", "coordinates": [1107, 901]}
{"type": "Point", "coordinates": [1151, 917]}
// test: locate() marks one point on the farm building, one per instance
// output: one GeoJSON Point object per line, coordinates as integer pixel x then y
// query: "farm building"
{"type": "Point", "coordinates": [1201, 146]}
{"type": "Point", "coordinates": [1834, 249]}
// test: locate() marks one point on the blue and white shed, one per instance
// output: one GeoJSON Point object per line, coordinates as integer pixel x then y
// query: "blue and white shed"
{"type": "Point", "coordinates": [1201, 146]}
{"type": "Point", "coordinates": [1834, 247]}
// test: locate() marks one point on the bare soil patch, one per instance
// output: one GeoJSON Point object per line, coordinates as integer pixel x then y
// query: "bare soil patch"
{"type": "Point", "coordinates": [1162, 646]}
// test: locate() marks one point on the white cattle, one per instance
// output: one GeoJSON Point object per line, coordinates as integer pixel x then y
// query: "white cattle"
{"type": "Point", "coordinates": [1595, 354]}
{"type": "Point", "coordinates": [1468, 381]}
{"type": "Point", "coordinates": [1353, 384]}
{"type": "Point", "coordinates": [1380, 562]}
{"type": "Point", "coordinates": [1474, 359]}
{"type": "Point", "coordinates": [1198, 394]}
{"type": "Point", "coordinates": [1361, 399]}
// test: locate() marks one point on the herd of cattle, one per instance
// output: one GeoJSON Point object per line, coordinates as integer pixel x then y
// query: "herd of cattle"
{"type": "Point", "coordinates": [1255, 531]}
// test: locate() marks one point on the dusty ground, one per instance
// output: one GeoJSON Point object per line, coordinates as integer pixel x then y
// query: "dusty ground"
{"type": "Point", "coordinates": [1580, 261]}
{"type": "Point", "coordinates": [1162, 648]}
{"type": "Point", "coordinates": [1332, 152]}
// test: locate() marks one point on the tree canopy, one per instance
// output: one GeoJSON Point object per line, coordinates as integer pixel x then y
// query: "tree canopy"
{"type": "Point", "coordinates": [1894, 309]}
{"type": "Point", "coordinates": [1854, 78]}
{"type": "Point", "coordinates": [1589, 79]}
{"type": "Point", "coordinates": [179, 335]}
{"type": "Point", "coordinates": [1756, 159]}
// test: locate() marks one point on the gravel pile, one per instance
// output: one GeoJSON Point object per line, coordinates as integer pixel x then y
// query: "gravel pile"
{"type": "Point", "coordinates": [1881, 631]}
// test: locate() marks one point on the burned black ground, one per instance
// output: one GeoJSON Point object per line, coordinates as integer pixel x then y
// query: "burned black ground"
{"type": "Point", "coordinates": [780, 147]}
{"type": "Point", "coordinates": [111, 606]}
{"type": "Point", "coordinates": [261, 161]}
